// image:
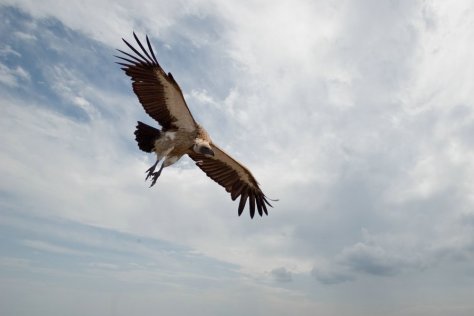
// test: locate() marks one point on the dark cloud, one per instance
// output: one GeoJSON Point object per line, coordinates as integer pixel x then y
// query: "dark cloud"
{"type": "Point", "coordinates": [281, 275]}
{"type": "Point", "coordinates": [331, 276]}
{"type": "Point", "coordinates": [370, 259]}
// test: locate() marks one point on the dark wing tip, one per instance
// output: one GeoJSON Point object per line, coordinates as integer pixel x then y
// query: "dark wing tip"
{"type": "Point", "coordinates": [243, 201]}
{"type": "Point", "coordinates": [257, 202]}
{"type": "Point", "coordinates": [149, 59]}
{"type": "Point", "coordinates": [237, 186]}
{"type": "Point", "coordinates": [259, 205]}
{"type": "Point", "coordinates": [151, 50]}
{"type": "Point", "coordinates": [140, 58]}
{"type": "Point", "coordinates": [252, 204]}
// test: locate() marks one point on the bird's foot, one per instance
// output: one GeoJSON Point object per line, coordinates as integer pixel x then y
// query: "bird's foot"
{"type": "Point", "coordinates": [151, 170]}
{"type": "Point", "coordinates": [150, 173]}
{"type": "Point", "coordinates": [154, 175]}
{"type": "Point", "coordinates": [154, 178]}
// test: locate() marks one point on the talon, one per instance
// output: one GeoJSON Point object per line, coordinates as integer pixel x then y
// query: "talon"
{"type": "Point", "coordinates": [151, 170]}
{"type": "Point", "coordinates": [155, 175]}
{"type": "Point", "coordinates": [149, 175]}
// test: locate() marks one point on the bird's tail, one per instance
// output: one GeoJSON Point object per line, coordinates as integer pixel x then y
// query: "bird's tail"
{"type": "Point", "coordinates": [145, 135]}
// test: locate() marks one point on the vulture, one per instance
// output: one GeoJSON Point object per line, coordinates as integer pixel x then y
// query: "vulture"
{"type": "Point", "coordinates": [163, 100]}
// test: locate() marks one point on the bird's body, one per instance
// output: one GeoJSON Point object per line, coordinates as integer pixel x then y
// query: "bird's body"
{"type": "Point", "coordinates": [174, 144]}
{"type": "Point", "coordinates": [180, 134]}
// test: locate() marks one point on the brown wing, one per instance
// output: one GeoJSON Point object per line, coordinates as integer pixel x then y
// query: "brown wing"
{"type": "Point", "coordinates": [235, 178]}
{"type": "Point", "coordinates": [157, 91]}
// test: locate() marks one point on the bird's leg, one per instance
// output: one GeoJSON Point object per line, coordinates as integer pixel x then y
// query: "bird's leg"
{"type": "Point", "coordinates": [151, 170]}
{"type": "Point", "coordinates": [156, 175]}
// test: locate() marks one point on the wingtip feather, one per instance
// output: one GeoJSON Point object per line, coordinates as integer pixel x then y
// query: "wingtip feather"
{"type": "Point", "coordinates": [243, 201]}
{"type": "Point", "coordinates": [252, 205]}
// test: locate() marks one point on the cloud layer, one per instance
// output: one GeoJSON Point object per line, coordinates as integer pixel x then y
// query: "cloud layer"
{"type": "Point", "coordinates": [357, 116]}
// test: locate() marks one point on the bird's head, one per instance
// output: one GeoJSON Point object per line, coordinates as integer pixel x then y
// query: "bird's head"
{"type": "Point", "coordinates": [203, 147]}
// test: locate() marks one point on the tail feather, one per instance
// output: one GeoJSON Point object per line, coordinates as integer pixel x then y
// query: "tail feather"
{"type": "Point", "coordinates": [145, 135]}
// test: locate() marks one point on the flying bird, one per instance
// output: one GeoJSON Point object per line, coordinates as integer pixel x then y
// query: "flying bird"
{"type": "Point", "coordinates": [163, 100]}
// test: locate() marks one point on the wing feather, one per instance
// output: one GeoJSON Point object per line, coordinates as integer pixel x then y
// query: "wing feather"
{"type": "Point", "coordinates": [252, 205]}
{"type": "Point", "coordinates": [235, 178]}
{"type": "Point", "coordinates": [264, 207]}
{"type": "Point", "coordinates": [243, 201]}
{"type": "Point", "coordinates": [158, 92]}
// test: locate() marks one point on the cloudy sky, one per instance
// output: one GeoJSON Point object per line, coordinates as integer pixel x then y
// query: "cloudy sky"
{"type": "Point", "coordinates": [357, 115]}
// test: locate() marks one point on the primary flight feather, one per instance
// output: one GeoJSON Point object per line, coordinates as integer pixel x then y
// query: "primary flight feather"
{"type": "Point", "coordinates": [162, 99]}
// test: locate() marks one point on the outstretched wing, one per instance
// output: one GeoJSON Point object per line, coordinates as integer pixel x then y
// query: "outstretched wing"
{"type": "Point", "coordinates": [157, 91]}
{"type": "Point", "coordinates": [235, 178]}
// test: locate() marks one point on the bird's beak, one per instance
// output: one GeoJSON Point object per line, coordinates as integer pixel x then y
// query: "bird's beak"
{"type": "Point", "coordinates": [207, 151]}
{"type": "Point", "coordinates": [210, 152]}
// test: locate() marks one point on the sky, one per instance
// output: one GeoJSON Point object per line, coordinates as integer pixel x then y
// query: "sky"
{"type": "Point", "coordinates": [357, 115]}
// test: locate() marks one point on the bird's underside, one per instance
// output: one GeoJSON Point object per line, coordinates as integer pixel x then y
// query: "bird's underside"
{"type": "Point", "coordinates": [162, 99]}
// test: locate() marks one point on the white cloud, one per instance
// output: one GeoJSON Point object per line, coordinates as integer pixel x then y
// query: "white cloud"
{"type": "Point", "coordinates": [48, 247]}
{"type": "Point", "coordinates": [355, 114]}
{"type": "Point", "coordinates": [25, 36]}
{"type": "Point", "coordinates": [12, 77]}
{"type": "Point", "coordinates": [154, 18]}
{"type": "Point", "coordinates": [72, 89]}
{"type": "Point", "coordinates": [6, 50]}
